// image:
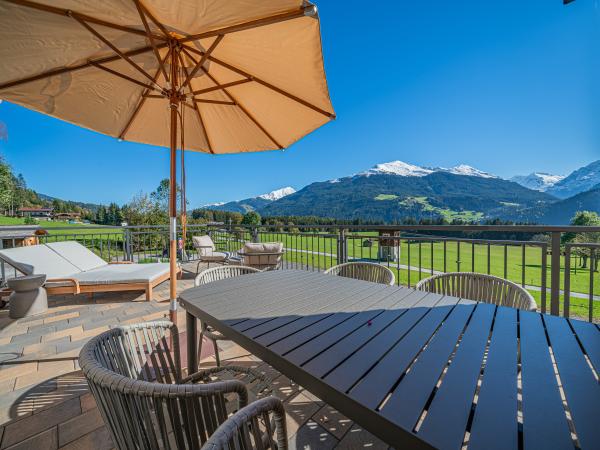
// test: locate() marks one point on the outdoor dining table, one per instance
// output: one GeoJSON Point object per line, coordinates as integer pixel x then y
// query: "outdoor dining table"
{"type": "Point", "coordinates": [416, 369]}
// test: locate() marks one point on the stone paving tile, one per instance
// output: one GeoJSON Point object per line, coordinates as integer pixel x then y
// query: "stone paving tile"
{"type": "Point", "coordinates": [357, 438]}
{"type": "Point", "coordinates": [299, 410]}
{"type": "Point", "coordinates": [79, 426]}
{"type": "Point", "coordinates": [333, 421]}
{"type": "Point", "coordinates": [312, 436]}
{"type": "Point", "coordinates": [20, 430]}
{"type": "Point", "coordinates": [62, 333]}
{"type": "Point", "coordinates": [57, 318]}
{"type": "Point", "coordinates": [46, 440]}
{"type": "Point", "coordinates": [26, 338]}
{"type": "Point", "coordinates": [45, 371]}
{"type": "Point", "coordinates": [96, 440]}
{"type": "Point", "coordinates": [87, 402]}
{"type": "Point", "coordinates": [15, 370]}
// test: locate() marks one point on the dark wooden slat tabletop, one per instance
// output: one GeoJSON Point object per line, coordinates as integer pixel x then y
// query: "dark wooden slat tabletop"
{"type": "Point", "coordinates": [418, 370]}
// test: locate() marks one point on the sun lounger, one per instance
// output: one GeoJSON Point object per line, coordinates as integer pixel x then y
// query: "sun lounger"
{"type": "Point", "coordinates": [71, 268]}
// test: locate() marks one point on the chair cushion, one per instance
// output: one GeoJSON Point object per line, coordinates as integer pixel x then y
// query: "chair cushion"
{"type": "Point", "coordinates": [39, 259]}
{"type": "Point", "coordinates": [123, 273]}
{"type": "Point", "coordinates": [78, 255]}
{"type": "Point", "coordinates": [253, 253]}
{"type": "Point", "coordinates": [214, 256]}
{"type": "Point", "coordinates": [204, 244]}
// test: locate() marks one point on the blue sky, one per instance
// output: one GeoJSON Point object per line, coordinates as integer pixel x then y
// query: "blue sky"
{"type": "Point", "coordinates": [508, 86]}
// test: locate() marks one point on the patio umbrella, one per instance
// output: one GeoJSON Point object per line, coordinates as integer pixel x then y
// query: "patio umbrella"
{"type": "Point", "coordinates": [221, 76]}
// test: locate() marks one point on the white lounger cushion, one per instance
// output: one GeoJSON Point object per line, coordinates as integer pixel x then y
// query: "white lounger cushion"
{"type": "Point", "coordinates": [39, 259]}
{"type": "Point", "coordinates": [123, 273]}
{"type": "Point", "coordinates": [78, 255]}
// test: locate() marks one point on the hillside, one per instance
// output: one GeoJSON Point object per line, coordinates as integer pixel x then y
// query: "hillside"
{"type": "Point", "coordinates": [389, 197]}
{"type": "Point", "coordinates": [581, 180]}
{"type": "Point", "coordinates": [561, 212]}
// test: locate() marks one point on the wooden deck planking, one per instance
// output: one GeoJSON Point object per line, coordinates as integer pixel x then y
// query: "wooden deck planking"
{"type": "Point", "coordinates": [544, 420]}
{"type": "Point", "coordinates": [494, 426]}
{"type": "Point", "coordinates": [582, 390]}
{"type": "Point", "coordinates": [447, 415]}
{"type": "Point", "coordinates": [284, 303]}
{"type": "Point", "coordinates": [589, 337]}
{"type": "Point", "coordinates": [373, 388]}
{"type": "Point", "coordinates": [343, 348]}
{"type": "Point", "coordinates": [369, 304]}
{"type": "Point", "coordinates": [417, 385]}
{"type": "Point", "coordinates": [350, 371]}
{"type": "Point", "coordinates": [355, 300]}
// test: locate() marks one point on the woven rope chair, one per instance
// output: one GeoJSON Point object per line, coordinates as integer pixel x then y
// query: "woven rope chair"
{"type": "Point", "coordinates": [363, 271]}
{"type": "Point", "coordinates": [238, 432]}
{"type": "Point", "coordinates": [209, 276]}
{"type": "Point", "coordinates": [144, 400]}
{"type": "Point", "coordinates": [479, 287]}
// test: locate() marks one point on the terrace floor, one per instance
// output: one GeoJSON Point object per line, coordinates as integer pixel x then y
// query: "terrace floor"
{"type": "Point", "coordinates": [44, 398]}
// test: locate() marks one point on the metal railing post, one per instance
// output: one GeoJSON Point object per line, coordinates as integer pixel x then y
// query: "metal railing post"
{"type": "Point", "coordinates": [342, 246]}
{"type": "Point", "coordinates": [254, 232]}
{"type": "Point", "coordinates": [567, 289]}
{"type": "Point", "coordinates": [555, 274]}
{"type": "Point", "coordinates": [127, 239]}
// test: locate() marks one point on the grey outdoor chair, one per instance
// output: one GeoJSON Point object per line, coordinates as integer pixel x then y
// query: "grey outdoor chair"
{"type": "Point", "coordinates": [261, 255]}
{"type": "Point", "coordinates": [208, 276]}
{"type": "Point", "coordinates": [363, 271]}
{"type": "Point", "coordinates": [238, 432]}
{"type": "Point", "coordinates": [479, 287]}
{"type": "Point", "coordinates": [207, 251]}
{"type": "Point", "coordinates": [145, 400]}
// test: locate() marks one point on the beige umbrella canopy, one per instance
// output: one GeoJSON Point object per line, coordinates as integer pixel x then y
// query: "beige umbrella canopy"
{"type": "Point", "coordinates": [235, 75]}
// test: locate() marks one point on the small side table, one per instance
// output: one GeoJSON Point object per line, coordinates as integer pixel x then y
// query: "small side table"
{"type": "Point", "coordinates": [28, 297]}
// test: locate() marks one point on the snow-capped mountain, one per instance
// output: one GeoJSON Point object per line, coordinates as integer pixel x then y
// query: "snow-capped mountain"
{"type": "Point", "coordinates": [278, 193]}
{"type": "Point", "coordinates": [404, 169]}
{"type": "Point", "coordinates": [463, 169]}
{"type": "Point", "coordinates": [578, 181]}
{"type": "Point", "coordinates": [397, 168]}
{"type": "Point", "coordinates": [538, 181]}
{"type": "Point", "coordinates": [251, 204]}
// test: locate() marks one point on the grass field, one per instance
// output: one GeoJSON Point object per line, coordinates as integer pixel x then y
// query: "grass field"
{"type": "Point", "coordinates": [320, 250]}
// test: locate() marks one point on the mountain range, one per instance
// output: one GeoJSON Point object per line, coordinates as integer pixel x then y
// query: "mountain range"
{"type": "Point", "coordinates": [396, 190]}
{"type": "Point", "coordinates": [251, 204]}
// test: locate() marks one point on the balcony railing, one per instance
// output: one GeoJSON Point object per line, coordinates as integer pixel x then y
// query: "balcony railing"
{"type": "Point", "coordinates": [563, 278]}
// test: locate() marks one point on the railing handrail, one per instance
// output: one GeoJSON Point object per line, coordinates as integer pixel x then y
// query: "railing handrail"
{"type": "Point", "coordinates": [459, 228]}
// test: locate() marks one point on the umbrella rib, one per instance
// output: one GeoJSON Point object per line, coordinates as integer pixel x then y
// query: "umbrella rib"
{"type": "Point", "coordinates": [214, 102]}
{"type": "Point", "coordinates": [196, 107]}
{"type": "Point", "coordinates": [222, 86]}
{"type": "Point", "coordinates": [141, 102]}
{"type": "Point", "coordinates": [264, 83]}
{"type": "Point", "coordinates": [85, 65]}
{"type": "Point", "coordinates": [113, 48]}
{"type": "Point", "coordinates": [232, 98]}
{"type": "Point", "coordinates": [66, 12]}
{"type": "Point", "coordinates": [156, 22]}
{"type": "Point", "coordinates": [308, 10]}
{"type": "Point", "coordinates": [250, 116]}
{"type": "Point", "coordinates": [203, 59]}
{"type": "Point", "coordinates": [138, 5]}
{"type": "Point", "coordinates": [128, 78]}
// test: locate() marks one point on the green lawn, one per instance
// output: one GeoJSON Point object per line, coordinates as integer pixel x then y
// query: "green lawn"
{"type": "Point", "coordinates": [459, 256]}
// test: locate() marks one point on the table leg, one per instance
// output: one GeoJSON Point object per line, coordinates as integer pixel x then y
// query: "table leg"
{"type": "Point", "coordinates": [192, 342]}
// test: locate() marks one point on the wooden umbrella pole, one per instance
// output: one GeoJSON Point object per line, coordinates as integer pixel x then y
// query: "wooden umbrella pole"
{"type": "Point", "coordinates": [174, 105]}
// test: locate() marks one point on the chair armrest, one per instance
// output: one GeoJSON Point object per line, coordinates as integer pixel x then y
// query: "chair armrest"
{"type": "Point", "coordinates": [238, 426]}
{"type": "Point", "coordinates": [70, 280]}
